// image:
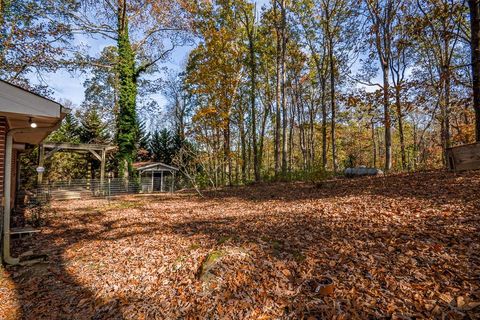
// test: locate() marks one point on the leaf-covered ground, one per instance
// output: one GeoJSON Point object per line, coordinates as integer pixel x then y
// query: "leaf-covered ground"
{"type": "Point", "coordinates": [404, 246]}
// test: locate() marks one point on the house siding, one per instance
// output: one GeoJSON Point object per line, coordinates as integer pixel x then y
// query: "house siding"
{"type": "Point", "coordinates": [3, 136]}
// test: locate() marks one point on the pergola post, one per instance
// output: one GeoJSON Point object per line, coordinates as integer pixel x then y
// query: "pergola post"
{"type": "Point", "coordinates": [102, 169]}
{"type": "Point", "coordinates": [99, 151]}
{"type": "Point", "coordinates": [41, 163]}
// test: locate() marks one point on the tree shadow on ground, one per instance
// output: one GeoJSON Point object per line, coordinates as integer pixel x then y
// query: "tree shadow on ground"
{"type": "Point", "coordinates": [62, 296]}
{"type": "Point", "coordinates": [282, 224]}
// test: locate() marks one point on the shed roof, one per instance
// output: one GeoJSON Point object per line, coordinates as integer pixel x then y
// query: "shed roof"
{"type": "Point", "coordinates": [142, 166]}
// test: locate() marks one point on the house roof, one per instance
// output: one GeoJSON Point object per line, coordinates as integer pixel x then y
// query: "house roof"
{"type": "Point", "coordinates": [142, 166]}
{"type": "Point", "coordinates": [21, 106]}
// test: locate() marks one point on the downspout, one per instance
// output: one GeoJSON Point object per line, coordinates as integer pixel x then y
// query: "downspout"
{"type": "Point", "coordinates": [7, 190]}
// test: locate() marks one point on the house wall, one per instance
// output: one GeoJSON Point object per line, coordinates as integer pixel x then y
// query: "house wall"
{"type": "Point", "coordinates": [3, 135]}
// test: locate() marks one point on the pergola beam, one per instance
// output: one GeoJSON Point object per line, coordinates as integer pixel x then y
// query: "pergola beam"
{"type": "Point", "coordinates": [78, 146]}
{"type": "Point", "coordinates": [50, 152]}
{"type": "Point", "coordinates": [96, 154]}
{"type": "Point", "coordinates": [98, 150]}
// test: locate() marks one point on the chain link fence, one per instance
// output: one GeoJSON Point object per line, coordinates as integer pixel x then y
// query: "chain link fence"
{"type": "Point", "coordinates": [92, 188]}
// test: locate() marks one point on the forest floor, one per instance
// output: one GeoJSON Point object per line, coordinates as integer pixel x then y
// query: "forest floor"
{"type": "Point", "coordinates": [402, 246]}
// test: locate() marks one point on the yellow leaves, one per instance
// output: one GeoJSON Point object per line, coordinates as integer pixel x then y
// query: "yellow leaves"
{"type": "Point", "coordinates": [352, 101]}
{"type": "Point", "coordinates": [204, 113]}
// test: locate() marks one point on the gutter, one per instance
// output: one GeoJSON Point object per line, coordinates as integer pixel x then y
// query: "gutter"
{"type": "Point", "coordinates": [7, 189]}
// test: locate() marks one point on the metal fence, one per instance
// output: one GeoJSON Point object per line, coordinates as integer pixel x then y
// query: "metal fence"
{"type": "Point", "coordinates": [90, 188]}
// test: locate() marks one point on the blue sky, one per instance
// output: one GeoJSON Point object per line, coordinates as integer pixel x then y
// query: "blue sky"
{"type": "Point", "coordinates": [69, 86]}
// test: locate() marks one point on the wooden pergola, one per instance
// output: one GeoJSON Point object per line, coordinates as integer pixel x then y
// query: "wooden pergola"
{"type": "Point", "coordinates": [98, 150]}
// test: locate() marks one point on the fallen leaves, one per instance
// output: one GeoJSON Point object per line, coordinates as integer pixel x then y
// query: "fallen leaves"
{"type": "Point", "coordinates": [398, 247]}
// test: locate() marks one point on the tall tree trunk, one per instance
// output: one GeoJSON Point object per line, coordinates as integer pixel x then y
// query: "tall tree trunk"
{"type": "Point", "coordinates": [475, 48]}
{"type": "Point", "coordinates": [333, 103]}
{"type": "Point", "coordinates": [387, 119]}
{"type": "Point", "coordinates": [312, 136]}
{"type": "Point", "coordinates": [284, 80]}
{"type": "Point", "coordinates": [127, 118]}
{"type": "Point", "coordinates": [243, 147]}
{"type": "Point", "coordinates": [302, 139]}
{"type": "Point", "coordinates": [253, 88]}
{"type": "Point", "coordinates": [226, 151]}
{"type": "Point", "coordinates": [322, 80]}
{"type": "Point", "coordinates": [324, 127]}
{"type": "Point", "coordinates": [262, 136]}
{"type": "Point", "coordinates": [374, 144]}
{"type": "Point", "coordinates": [277, 93]}
{"type": "Point", "coordinates": [400, 125]}
{"type": "Point", "coordinates": [447, 109]}
{"type": "Point", "coordinates": [415, 147]}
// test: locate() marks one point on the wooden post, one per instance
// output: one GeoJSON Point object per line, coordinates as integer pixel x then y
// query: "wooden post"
{"type": "Point", "coordinates": [151, 172]}
{"type": "Point", "coordinates": [102, 169]}
{"type": "Point", "coordinates": [161, 181]}
{"type": "Point", "coordinates": [41, 163]}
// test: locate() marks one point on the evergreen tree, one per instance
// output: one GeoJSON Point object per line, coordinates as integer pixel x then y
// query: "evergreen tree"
{"type": "Point", "coordinates": [68, 132]}
{"type": "Point", "coordinates": [161, 146]}
{"type": "Point", "coordinates": [143, 153]}
{"type": "Point", "coordinates": [93, 129]}
{"type": "Point", "coordinates": [165, 145]}
{"type": "Point", "coordinates": [63, 166]}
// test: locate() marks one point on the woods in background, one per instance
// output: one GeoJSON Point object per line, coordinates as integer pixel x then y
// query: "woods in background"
{"type": "Point", "coordinates": [328, 84]}
{"type": "Point", "coordinates": [275, 90]}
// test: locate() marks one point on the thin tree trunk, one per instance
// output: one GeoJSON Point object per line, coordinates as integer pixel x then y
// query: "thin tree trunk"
{"type": "Point", "coordinates": [387, 119]}
{"type": "Point", "coordinates": [322, 81]}
{"type": "Point", "coordinates": [262, 135]}
{"type": "Point", "coordinates": [283, 88]}
{"type": "Point", "coordinates": [324, 128]}
{"type": "Point", "coordinates": [374, 144]}
{"type": "Point", "coordinates": [475, 50]}
{"type": "Point", "coordinates": [333, 104]}
{"type": "Point", "coordinates": [253, 75]}
{"type": "Point", "coordinates": [243, 147]}
{"type": "Point", "coordinates": [400, 126]}
{"type": "Point", "coordinates": [227, 159]}
{"type": "Point", "coordinates": [312, 136]}
{"type": "Point", "coordinates": [447, 107]}
{"type": "Point", "coordinates": [277, 94]}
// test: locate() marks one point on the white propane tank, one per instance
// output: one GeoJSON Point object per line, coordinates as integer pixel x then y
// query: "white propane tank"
{"type": "Point", "coordinates": [362, 171]}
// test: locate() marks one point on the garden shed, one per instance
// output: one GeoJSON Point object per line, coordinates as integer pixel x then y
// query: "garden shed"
{"type": "Point", "coordinates": [156, 176]}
